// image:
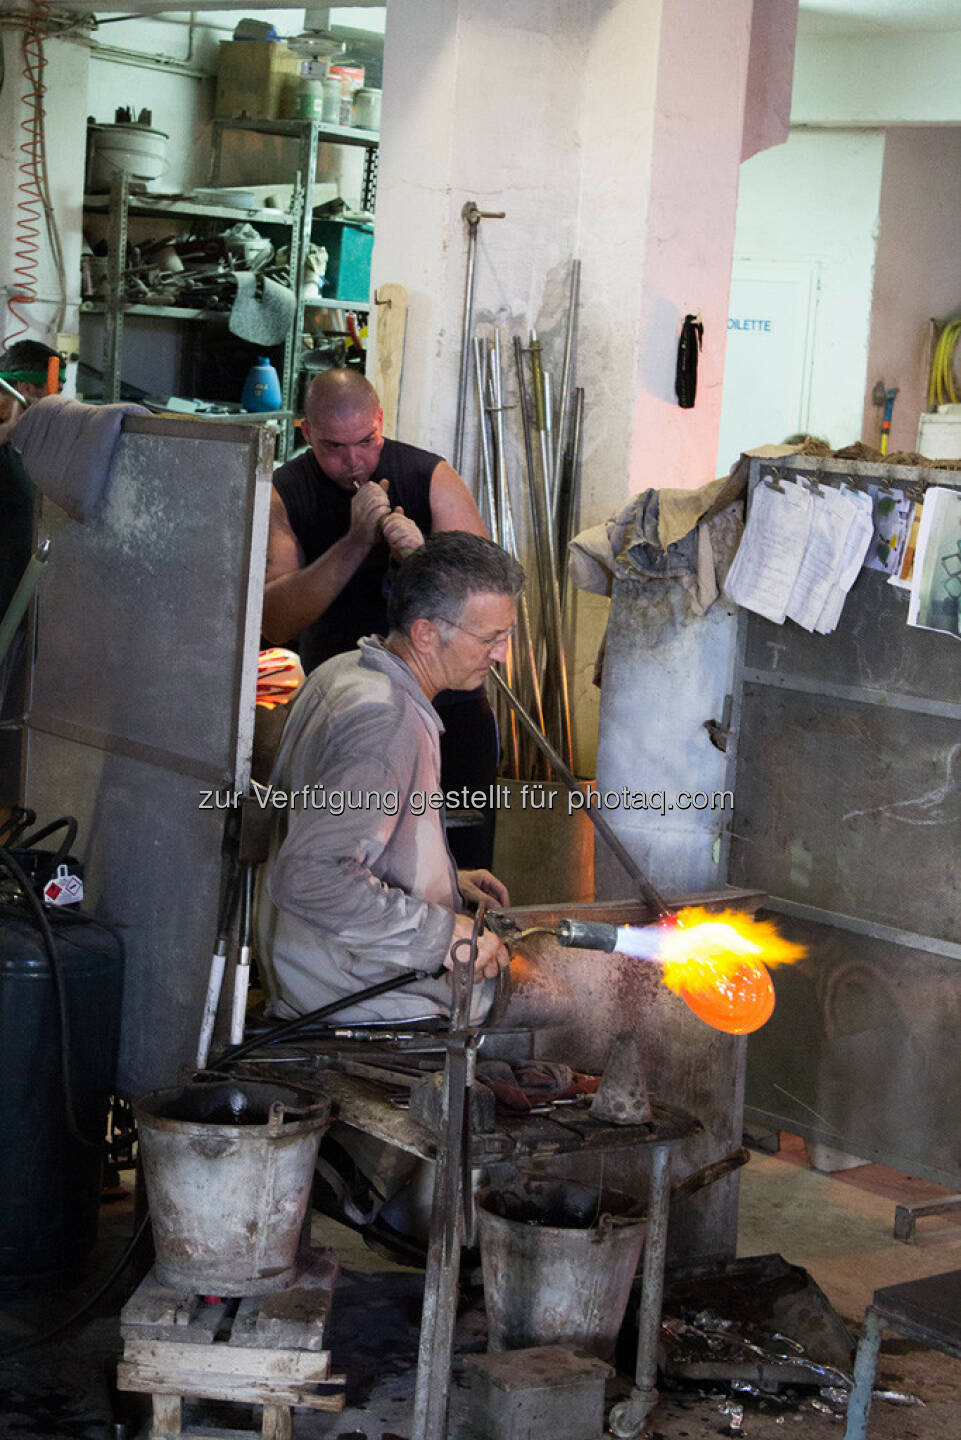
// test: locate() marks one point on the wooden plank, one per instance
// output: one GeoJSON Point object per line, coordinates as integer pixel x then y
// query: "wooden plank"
{"type": "Point", "coordinates": [293, 1319]}
{"type": "Point", "coordinates": [361, 1104]}
{"type": "Point", "coordinates": [151, 1380]}
{"type": "Point", "coordinates": [391, 303]}
{"type": "Point", "coordinates": [167, 1416]}
{"type": "Point", "coordinates": [228, 1362]}
{"type": "Point", "coordinates": [157, 1312]}
{"type": "Point", "coordinates": [276, 1423]}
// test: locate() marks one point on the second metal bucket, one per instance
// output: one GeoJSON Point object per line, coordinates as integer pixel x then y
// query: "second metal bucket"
{"type": "Point", "coordinates": [558, 1261]}
{"type": "Point", "coordinates": [228, 1168]}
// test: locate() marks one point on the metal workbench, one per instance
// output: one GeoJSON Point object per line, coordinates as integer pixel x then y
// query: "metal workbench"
{"type": "Point", "coordinates": [368, 1104]}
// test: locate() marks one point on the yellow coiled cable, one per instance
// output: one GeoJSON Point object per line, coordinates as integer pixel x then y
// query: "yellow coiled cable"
{"type": "Point", "coordinates": [941, 388]}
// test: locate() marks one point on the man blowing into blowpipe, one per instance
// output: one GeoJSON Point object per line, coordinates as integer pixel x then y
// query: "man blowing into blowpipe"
{"type": "Point", "coordinates": [341, 512]}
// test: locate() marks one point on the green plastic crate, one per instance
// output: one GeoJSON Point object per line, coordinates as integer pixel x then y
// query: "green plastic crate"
{"type": "Point", "coordinates": [349, 247]}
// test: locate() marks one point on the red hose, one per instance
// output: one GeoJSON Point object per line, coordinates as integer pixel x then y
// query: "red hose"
{"type": "Point", "coordinates": [30, 207]}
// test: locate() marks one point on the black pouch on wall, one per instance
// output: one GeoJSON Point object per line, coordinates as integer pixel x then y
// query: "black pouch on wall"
{"type": "Point", "coordinates": [688, 349]}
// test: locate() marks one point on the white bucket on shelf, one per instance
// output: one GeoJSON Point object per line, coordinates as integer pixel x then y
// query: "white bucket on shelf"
{"type": "Point", "coordinates": [137, 149]}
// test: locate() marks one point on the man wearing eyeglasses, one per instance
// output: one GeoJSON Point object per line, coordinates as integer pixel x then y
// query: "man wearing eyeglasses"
{"type": "Point", "coordinates": [361, 883]}
{"type": "Point", "coordinates": [340, 512]}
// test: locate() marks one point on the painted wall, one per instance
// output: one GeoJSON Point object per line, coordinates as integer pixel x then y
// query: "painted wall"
{"type": "Point", "coordinates": [697, 138]}
{"type": "Point", "coordinates": [917, 275]}
{"type": "Point", "coordinates": [890, 78]}
{"type": "Point", "coordinates": [817, 199]}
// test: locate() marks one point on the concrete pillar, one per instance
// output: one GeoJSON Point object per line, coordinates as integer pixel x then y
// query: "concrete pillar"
{"type": "Point", "coordinates": [607, 129]}
{"type": "Point", "coordinates": [65, 79]}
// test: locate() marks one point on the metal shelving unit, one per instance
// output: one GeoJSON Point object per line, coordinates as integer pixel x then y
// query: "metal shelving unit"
{"type": "Point", "coordinates": [308, 134]}
{"type": "Point", "coordinates": [121, 203]}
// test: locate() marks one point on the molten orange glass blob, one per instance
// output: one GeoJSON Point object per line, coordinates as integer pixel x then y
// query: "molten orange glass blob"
{"type": "Point", "coordinates": [717, 963]}
{"type": "Point", "coordinates": [736, 1003]}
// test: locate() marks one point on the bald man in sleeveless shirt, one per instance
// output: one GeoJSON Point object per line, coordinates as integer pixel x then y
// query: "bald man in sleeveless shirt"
{"type": "Point", "coordinates": [339, 511]}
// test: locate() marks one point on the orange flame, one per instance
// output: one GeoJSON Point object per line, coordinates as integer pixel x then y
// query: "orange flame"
{"type": "Point", "coordinates": [717, 962]}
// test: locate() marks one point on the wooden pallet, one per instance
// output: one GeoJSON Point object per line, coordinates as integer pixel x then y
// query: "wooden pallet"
{"type": "Point", "coordinates": [262, 1350]}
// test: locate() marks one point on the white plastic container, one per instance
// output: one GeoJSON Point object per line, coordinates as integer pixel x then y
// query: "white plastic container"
{"type": "Point", "coordinates": [333, 91]}
{"type": "Point", "coordinates": [137, 149]}
{"type": "Point", "coordinates": [365, 111]}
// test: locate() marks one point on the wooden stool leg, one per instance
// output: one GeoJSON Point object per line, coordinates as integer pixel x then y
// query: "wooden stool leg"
{"type": "Point", "coordinates": [276, 1424]}
{"type": "Point", "coordinates": [865, 1365]}
{"type": "Point", "coordinates": [167, 1416]}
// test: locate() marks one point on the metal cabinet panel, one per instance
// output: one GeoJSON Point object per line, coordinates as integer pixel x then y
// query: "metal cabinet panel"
{"type": "Point", "coordinates": [143, 693]}
{"type": "Point", "coordinates": [845, 762]}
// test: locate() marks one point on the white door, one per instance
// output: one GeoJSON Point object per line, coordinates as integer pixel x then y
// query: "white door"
{"type": "Point", "coordinates": [770, 348]}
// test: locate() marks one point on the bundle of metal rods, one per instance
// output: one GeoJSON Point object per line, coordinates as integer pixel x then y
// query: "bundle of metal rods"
{"type": "Point", "coordinates": [536, 665]}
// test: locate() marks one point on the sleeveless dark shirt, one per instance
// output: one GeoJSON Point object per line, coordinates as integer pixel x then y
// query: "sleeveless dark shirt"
{"type": "Point", "coordinates": [319, 514]}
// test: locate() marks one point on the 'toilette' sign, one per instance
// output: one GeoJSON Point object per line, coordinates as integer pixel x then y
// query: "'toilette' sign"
{"type": "Point", "coordinates": [767, 379]}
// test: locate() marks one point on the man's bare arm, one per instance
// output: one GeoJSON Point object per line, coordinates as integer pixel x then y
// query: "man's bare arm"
{"type": "Point", "coordinates": [451, 503]}
{"type": "Point", "coordinates": [295, 594]}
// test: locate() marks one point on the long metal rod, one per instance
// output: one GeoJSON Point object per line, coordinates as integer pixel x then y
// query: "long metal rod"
{"type": "Point", "coordinates": [507, 526]}
{"type": "Point", "coordinates": [566, 371]}
{"type": "Point", "coordinates": [487, 464]}
{"type": "Point", "coordinates": [451, 1169]}
{"type": "Point", "coordinates": [558, 657]}
{"type": "Point", "coordinates": [648, 892]}
{"type": "Point", "coordinates": [627, 1418]}
{"type": "Point", "coordinates": [465, 334]}
{"type": "Point", "coordinates": [567, 489]}
{"type": "Point", "coordinates": [480, 379]}
{"type": "Point", "coordinates": [22, 596]}
{"type": "Point", "coordinates": [542, 642]}
{"type": "Point", "coordinates": [537, 523]}
{"type": "Point", "coordinates": [472, 217]}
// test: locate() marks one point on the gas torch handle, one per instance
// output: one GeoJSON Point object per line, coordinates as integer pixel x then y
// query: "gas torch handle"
{"type": "Point", "coordinates": [587, 935]}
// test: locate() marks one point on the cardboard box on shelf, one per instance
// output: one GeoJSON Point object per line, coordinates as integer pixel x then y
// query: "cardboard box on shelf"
{"type": "Point", "coordinates": [251, 78]}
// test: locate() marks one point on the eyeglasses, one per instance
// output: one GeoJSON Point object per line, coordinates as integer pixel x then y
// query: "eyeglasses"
{"type": "Point", "coordinates": [489, 642]}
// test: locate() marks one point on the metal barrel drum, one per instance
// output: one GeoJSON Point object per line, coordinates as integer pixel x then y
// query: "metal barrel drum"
{"type": "Point", "coordinates": [228, 1166]}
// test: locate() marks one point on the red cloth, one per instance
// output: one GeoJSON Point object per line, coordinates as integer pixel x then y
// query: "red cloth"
{"type": "Point", "coordinates": [519, 1085]}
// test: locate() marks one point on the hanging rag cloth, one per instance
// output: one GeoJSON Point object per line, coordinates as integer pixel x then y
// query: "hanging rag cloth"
{"type": "Point", "coordinates": [68, 450]}
{"type": "Point", "coordinates": [686, 536]}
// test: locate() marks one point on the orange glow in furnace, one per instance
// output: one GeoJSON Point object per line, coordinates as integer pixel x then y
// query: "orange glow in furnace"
{"type": "Point", "coordinates": [717, 962]}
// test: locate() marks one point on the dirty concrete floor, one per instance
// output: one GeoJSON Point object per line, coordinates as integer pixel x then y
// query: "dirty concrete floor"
{"type": "Point", "coordinates": [838, 1227]}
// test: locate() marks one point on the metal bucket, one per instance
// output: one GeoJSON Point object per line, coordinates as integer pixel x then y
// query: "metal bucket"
{"type": "Point", "coordinates": [558, 1261]}
{"type": "Point", "coordinates": [228, 1167]}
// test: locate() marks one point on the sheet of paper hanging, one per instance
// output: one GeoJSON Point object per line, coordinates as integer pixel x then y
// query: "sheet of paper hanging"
{"type": "Point", "coordinates": [769, 556]}
{"type": "Point", "coordinates": [831, 516]}
{"type": "Point", "coordinates": [856, 545]}
{"type": "Point", "coordinates": [936, 581]}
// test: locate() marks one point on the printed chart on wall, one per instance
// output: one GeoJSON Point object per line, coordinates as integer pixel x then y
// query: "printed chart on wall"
{"type": "Point", "coordinates": [770, 345]}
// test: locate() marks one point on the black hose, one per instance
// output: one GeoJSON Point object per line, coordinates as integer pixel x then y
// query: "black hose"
{"type": "Point", "coordinates": [90, 1300]}
{"type": "Point", "coordinates": [14, 826]}
{"type": "Point", "coordinates": [66, 823]}
{"type": "Point", "coordinates": [300, 1022]}
{"type": "Point", "coordinates": [60, 989]}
